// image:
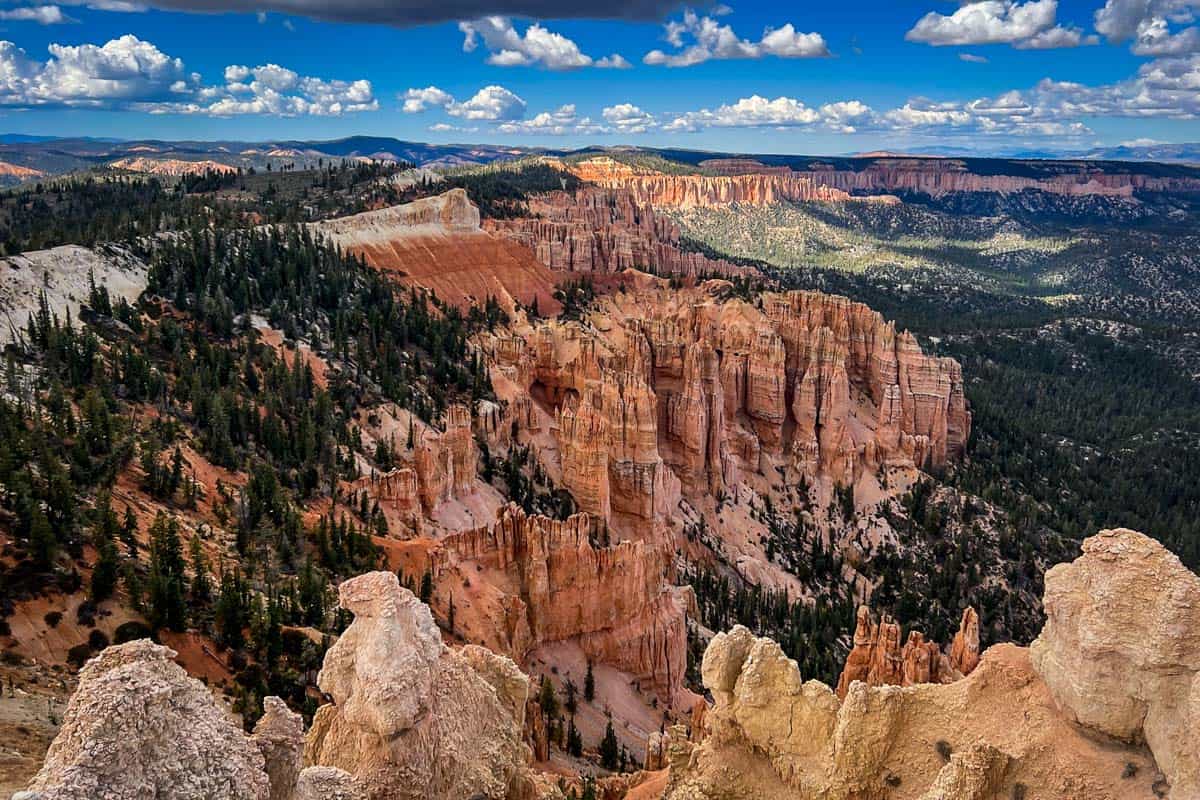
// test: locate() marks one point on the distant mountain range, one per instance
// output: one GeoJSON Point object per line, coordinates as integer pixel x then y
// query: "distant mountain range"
{"type": "Point", "coordinates": [26, 158]}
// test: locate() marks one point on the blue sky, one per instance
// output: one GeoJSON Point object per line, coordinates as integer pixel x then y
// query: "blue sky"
{"type": "Point", "coordinates": [831, 78]}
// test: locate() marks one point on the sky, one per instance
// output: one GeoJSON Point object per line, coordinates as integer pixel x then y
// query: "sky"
{"type": "Point", "coordinates": [831, 77]}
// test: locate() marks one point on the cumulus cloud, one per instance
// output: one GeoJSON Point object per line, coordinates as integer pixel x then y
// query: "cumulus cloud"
{"type": "Point", "coordinates": [405, 13]}
{"type": "Point", "coordinates": [43, 15]}
{"type": "Point", "coordinates": [748, 112]}
{"type": "Point", "coordinates": [697, 39]}
{"type": "Point", "coordinates": [1152, 26]}
{"type": "Point", "coordinates": [628, 118]}
{"type": "Point", "coordinates": [131, 74]}
{"type": "Point", "coordinates": [560, 122]}
{"type": "Point", "coordinates": [1029, 25]}
{"type": "Point", "coordinates": [537, 46]}
{"type": "Point", "coordinates": [489, 103]}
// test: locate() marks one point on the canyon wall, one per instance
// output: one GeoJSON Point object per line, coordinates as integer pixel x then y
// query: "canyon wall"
{"type": "Point", "coordinates": [649, 188]}
{"type": "Point", "coordinates": [437, 243]}
{"type": "Point", "coordinates": [742, 180]}
{"type": "Point", "coordinates": [604, 230]}
{"type": "Point", "coordinates": [556, 582]}
{"type": "Point", "coordinates": [709, 386]}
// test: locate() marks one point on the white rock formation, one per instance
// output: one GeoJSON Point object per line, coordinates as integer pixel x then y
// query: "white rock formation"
{"type": "Point", "coordinates": [62, 273]}
{"type": "Point", "coordinates": [411, 718]}
{"type": "Point", "coordinates": [138, 727]}
{"type": "Point", "coordinates": [1120, 650]}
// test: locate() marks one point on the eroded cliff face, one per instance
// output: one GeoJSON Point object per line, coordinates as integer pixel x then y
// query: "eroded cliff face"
{"type": "Point", "coordinates": [937, 177]}
{"type": "Point", "coordinates": [411, 718]}
{"type": "Point", "coordinates": [712, 387]}
{"type": "Point", "coordinates": [437, 243]}
{"type": "Point", "coordinates": [605, 230]}
{"type": "Point", "coordinates": [702, 191]}
{"type": "Point", "coordinates": [1120, 651]}
{"type": "Point", "coordinates": [551, 581]}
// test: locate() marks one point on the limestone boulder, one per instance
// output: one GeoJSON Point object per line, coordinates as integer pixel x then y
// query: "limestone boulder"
{"type": "Point", "coordinates": [1120, 650]}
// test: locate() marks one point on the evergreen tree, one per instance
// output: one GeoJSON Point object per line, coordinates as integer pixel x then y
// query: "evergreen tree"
{"type": "Point", "coordinates": [589, 684]}
{"type": "Point", "coordinates": [610, 751]}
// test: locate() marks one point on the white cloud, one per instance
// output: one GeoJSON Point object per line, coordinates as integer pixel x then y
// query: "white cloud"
{"type": "Point", "coordinates": [1122, 20]}
{"type": "Point", "coordinates": [748, 112]}
{"type": "Point", "coordinates": [418, 100]}
{"type": "Point", "coordinates": [131, 74]}
{"type": "Point", "coordinates": [489, 103]}
{"type": "Point", "coordinates": [615, 61]}
{"type": "Point", "coordinates": [43, 15]}
{"type": "Point", "coordinates": [1029, 25]}
{"type": "Point", "coordinates": [560, 122]}
{"type": "Point", "coordinates": [712, 40]}
{"type": "Point", "coordinates": [537, 46]}
{"type": "Point", "coordinates": [120, 6]}
{"type": "Point", "coordinates": [628, 118]}
{"type": "Point", "coordinates": [971, 58]}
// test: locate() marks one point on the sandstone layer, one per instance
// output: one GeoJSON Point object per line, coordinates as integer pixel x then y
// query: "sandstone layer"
{"type": "Point", "coordinates": [410, 718]}
{"type": "Point", "coordinates": [937, 177]}
{"type": "Point", "coordinates": [704, 191]}
{"type": "Point", "coordinates": [1120, 650]}
{"type": "Point", "coordinates": [437, 243]}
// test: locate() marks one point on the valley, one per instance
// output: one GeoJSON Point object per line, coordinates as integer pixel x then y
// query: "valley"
{"type": "Point", "coordinates": [633, 456]}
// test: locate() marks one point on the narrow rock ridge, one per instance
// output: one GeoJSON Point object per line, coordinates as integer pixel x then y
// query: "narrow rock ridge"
{"type": "Point", "coordinates": [1117, 655]}
{"type": "Point", "coordinates": [437, 243]}
{"type": "Point", "coordinates": [605, 230]}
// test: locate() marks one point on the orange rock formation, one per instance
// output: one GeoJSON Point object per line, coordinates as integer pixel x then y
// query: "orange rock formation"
{"type": "Point", "coordinates": [877, 658]}
{"type": "Point", "coordinates": [605, 230]}
{"type": "Point", "coordinates": [437, 243]}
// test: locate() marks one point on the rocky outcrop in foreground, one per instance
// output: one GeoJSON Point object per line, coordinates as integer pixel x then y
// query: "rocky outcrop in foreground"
{"type": "Point", "coordinates": [1118, 655]}
{"type": "Point", "coordinates": [1120, 650]}
{"type": "Point", "coordinates": [411, 718]}
{"type": "Point", "coordinates": [139, 727]}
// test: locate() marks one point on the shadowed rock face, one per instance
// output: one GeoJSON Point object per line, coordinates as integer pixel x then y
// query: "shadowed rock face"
{"type": "Point", "coordinates": [1120, 650]}
{"type": "Point", "coordinates": [411, 718]}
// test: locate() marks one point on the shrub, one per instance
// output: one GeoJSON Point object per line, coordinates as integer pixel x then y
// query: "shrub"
{"type": "Point", "coordinates": [78, 654]}
{"type": "Point", "coordinates": [97, 640]}
{"type": "Point", "coordinates": [53, 618]}
{"type": "Point", "coordinates": [131, 631]}
{"type": "Point", "coordinates": [944, 749]}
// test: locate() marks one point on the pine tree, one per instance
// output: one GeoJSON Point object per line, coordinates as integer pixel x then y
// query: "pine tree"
{"type": "Point", "coordinates": [426, 587]}
{"type": "Point", "coordinates": [548, 700]}
{"type": "Point", "coordinates": [589, 684]}
{"type": "Point", "coordinates": [129, 532]}
{"type": "Point", "coordinates": [610, 750]}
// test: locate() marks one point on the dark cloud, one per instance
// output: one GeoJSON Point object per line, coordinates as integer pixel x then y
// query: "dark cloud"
{"type": "Point", "coordinates": [414, 12]}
